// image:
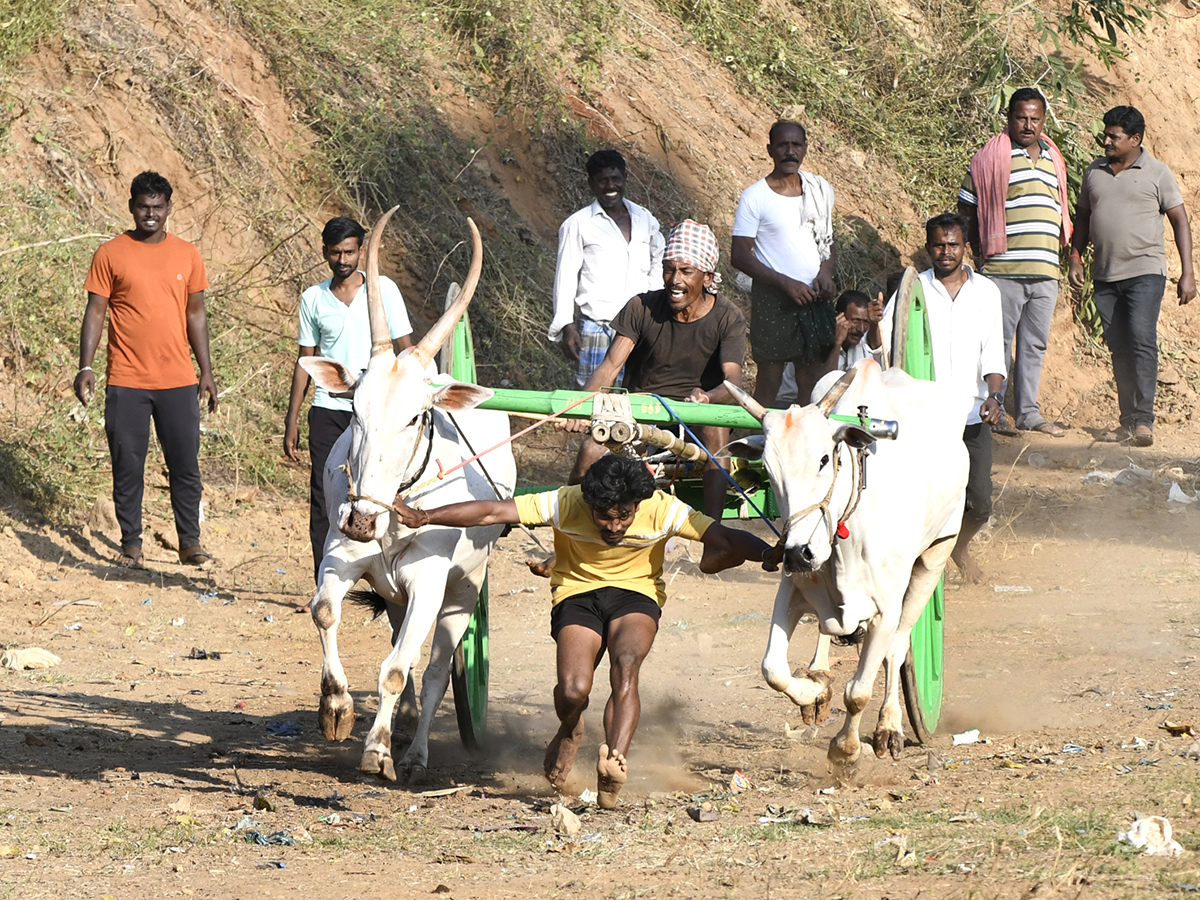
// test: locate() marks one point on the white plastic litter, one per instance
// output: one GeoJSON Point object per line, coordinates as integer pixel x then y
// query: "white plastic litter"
{"type": "Point", "coordinates": [1151, 835]}
{"type": "Point", "coordinates": [588, 796]}
{"type": "Point", "coordinates": [1012, 589]}
{"type": "Point", "coordinates": [1130, 475]}
{"type": "Point", "coordinates": [1179, 495]}
{"type": "Point", "coordinates": [967, 737]}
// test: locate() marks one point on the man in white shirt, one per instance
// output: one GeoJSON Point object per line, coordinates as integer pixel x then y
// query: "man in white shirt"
{"type": "Point", "coordinates": [967, 328]}
{"type": "Point", "coordinates": [334, 324]}
{"type": "Point", "coordinates": [857, 317]}
{"type": "Point", "coordinates": [608, 252]}
{"type": "Point", "coordinates": [783, 240]}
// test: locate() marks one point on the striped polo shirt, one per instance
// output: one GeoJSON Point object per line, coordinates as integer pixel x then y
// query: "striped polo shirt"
{"type": "Point", "coordinates": [1032, 217]}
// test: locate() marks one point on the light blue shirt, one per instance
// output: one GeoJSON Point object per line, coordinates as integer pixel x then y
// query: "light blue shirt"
{"type": "Point", "coordinates": [343, 333]}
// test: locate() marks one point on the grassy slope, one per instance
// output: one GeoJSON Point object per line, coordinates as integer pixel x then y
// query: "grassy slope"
{"type": "Point", "coordinates": [364, 82]}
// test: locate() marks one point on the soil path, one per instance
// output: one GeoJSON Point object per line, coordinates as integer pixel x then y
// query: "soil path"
{"type": "Point", "coordinates": [129, 766]}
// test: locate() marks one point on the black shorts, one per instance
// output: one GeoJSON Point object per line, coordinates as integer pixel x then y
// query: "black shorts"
{"type": "Point", "coordinates": [597, 609]}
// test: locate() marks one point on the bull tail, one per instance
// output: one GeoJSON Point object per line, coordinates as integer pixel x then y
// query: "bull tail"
{"type": "Point", "coordinates": [371, 600]}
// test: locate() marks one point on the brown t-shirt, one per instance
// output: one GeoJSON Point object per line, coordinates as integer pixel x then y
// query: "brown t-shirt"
{"type": "Point", "coordinates": [147, 287]}
{"type": "Point", "coordinates": [1125, 216]}
{"type": "Point", "coordinates": [673, 358]}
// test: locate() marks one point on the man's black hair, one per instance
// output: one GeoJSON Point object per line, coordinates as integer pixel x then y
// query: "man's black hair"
{"type": "Point", "coordinates": [1127, 118]}
{"type": "Point", "coordinates": [339, 228]}
{"type": "Point", "coordinates": [946, 221]}
{"type": "Point", "coordinates": [604, 159]}
{"type": "Point", "coordinates": [616, 482]}
{"type": "Point", "coordinates": [786, 123]}
{"type": "Point", "coordinates": [1024, 95]}
{"type": "Point", "coordinates": [150, 184]}
{"type": "Point", "coordinates": [851, 298]}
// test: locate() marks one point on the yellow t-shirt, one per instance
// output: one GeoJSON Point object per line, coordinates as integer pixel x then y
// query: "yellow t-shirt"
{"type": "Point", "coordinates": [583, 562]}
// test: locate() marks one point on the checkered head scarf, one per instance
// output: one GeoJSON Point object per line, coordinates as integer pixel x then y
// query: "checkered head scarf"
{"type": "Point", "coordinates": [694, 244]}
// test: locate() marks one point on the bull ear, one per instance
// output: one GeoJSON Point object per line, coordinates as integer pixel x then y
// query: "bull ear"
{"type": "Point", "coordinates": [329, 374]}
{"type": "Point", "coordinates": [856, 437]}
{"type": "Point", "coordinates": [460, 395]}
{"type": "Point", "coordinates": [744, 448]}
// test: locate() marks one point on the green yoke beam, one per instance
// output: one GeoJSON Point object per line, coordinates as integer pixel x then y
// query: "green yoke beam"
{"type": "Point", "coordinates": [645, 408]}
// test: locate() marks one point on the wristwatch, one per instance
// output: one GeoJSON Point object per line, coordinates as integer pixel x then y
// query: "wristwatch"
{"type": "Point", "coordinates": [998, 397]}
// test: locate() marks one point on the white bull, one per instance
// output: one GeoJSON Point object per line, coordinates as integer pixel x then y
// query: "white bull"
{"type": "Point", "coordinates": [404, 426]}
{"type": "Point", "coordinates": [896, 534]}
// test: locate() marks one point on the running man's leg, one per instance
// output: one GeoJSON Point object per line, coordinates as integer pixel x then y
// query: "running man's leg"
{"type": "Point", "coordinates": [579, 650]}
{"type": "Point", "coordinates": [630, 638]}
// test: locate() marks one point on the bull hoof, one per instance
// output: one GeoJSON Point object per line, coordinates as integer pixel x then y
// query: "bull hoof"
{"type": "Point", "coordinates": [415, 774]}
{"type": "Point", "coordinates": [843, 766]}
{"type": "Point", "coordinates": [336, 716]}
{"type": "Point", "coordinates": [889, 742]}
{"type": "Point", "coordinates": [818, 712]}
{"type": "Point", "coordinates": [374, 762]}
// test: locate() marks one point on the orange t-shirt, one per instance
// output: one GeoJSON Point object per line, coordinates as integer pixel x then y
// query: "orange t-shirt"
{"type": "Point", "coordinates": [147, 287]}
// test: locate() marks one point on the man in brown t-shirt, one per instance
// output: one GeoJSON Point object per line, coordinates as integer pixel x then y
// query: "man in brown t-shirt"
{"type": "Point", "coordinates": [682, 342]}
{"type": "Point", "coordinates": [150, 285]}
{"type": "Point", "coordinates": [1122, 201]}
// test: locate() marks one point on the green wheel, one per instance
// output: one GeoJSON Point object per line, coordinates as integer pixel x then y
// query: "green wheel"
{"type": "Point", "coordinates": [469, 676]}
{"type": "Point", "coordinates": [921, 673]}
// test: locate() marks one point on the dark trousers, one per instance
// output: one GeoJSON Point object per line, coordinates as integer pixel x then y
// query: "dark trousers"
{"type": "Point", "coordinates": [978, 438]}
{"type": "Point", "coordinates": [176, 415]}
{"type": "Point", "coordinates": [325, 426]}
{"type": "Point", "coordinates": [1129, 313]}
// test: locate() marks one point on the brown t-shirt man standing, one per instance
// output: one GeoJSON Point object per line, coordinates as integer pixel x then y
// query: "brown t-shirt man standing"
{"type": "Point", "coordinates": [682, 342]}
{"type": "Point", "coordinates": [150, 285]}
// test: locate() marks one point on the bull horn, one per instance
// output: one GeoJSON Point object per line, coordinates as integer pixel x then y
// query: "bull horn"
{"type": "Point", "coordinates": [436, 336]}
{"type": "Point", "coordinates": [748, 403]}
{"type": "Point", "coordinates": [381, 335]}
{"type": "Point", "coordinates": [834, 394]}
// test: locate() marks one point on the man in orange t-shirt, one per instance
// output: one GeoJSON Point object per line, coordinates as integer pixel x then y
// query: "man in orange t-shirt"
{"type": "Point", "coordinates": [151, 285]}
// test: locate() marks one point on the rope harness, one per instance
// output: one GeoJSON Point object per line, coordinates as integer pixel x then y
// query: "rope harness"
{"type": "Point", "coordinates": [353, 496]}
{"type": "Point", "coordinates": [841, 531]}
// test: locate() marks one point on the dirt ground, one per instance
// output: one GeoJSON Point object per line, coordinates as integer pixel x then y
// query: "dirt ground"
{"type": "Point", "coordinates": [129, 767]}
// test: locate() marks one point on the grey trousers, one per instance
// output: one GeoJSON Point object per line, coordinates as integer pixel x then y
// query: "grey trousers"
{"type": "Point", "coordinates": [1028, 308]}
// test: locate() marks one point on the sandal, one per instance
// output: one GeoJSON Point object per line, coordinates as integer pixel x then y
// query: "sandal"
{"type": "Point", "coordinates": [195, 556]}
{"type": "Point", "coordinates": [1050, 428]}
{"type": "Point", "coordinates": [1004, 427]}
{"type": "Point", "coordinates": [1143, 436]}
{"type": "Point", "coordinates": [130, 558]}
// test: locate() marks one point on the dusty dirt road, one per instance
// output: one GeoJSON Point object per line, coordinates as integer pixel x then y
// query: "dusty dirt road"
{"type": "Point", "coordinates": [129, 767]}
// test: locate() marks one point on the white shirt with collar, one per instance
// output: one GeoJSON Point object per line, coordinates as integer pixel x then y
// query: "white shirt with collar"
{"type": "Point", "coordinates": [599, 271]}
{"type": "Point", "coordinates": [967, 333]}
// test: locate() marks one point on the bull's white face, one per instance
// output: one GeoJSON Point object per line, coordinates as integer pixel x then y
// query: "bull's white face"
{"type": "Point", "coordinates": [799, 457]}
{"type": "Point", "coordinates": [388, 433]}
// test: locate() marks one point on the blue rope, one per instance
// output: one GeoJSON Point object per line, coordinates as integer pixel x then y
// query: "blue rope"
{"type": "Point", "coordinates": [737, 487]}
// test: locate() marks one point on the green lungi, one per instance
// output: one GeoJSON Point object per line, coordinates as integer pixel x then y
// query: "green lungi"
{"type": "Point", "coordinates": [783, 331]}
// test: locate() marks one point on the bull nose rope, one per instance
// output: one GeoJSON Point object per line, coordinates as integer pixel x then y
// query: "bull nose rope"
{"type": "Point", "coordinates": [353, 496]}
{"type": "Point", "coordinates": [856, 467]}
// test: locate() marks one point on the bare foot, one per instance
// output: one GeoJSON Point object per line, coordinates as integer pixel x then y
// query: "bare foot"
{"type": "Point", "coordinates": [611, 774]}
{"type": "Point", "coordinates": [560, 755]}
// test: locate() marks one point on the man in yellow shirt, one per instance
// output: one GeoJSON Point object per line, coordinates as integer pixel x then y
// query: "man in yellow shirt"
{"type": "Point", "coordinates": [607, 589]}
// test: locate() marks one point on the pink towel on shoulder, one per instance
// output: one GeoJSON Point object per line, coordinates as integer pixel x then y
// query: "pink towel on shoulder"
{"type": "Point", "coordinates": [990, 170]}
